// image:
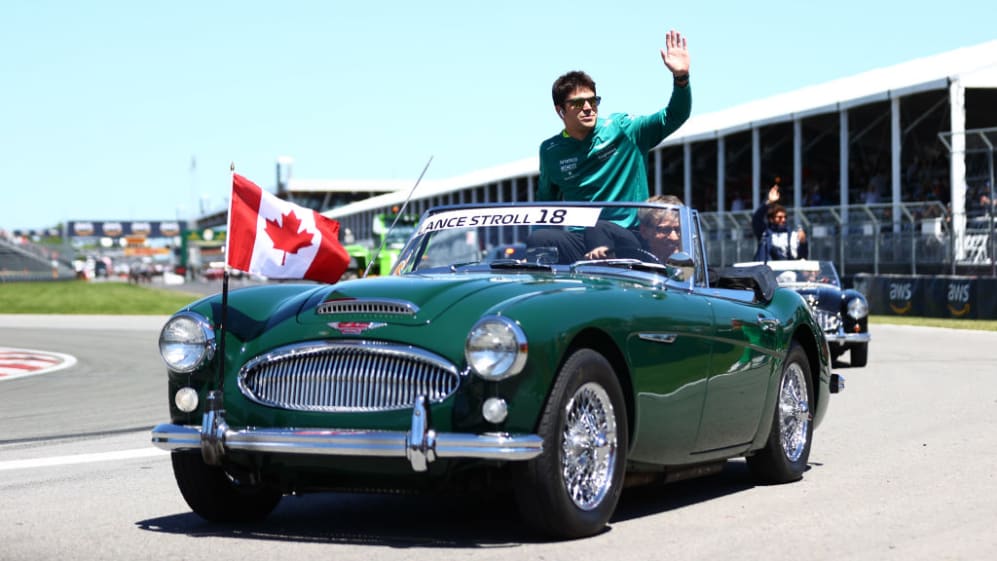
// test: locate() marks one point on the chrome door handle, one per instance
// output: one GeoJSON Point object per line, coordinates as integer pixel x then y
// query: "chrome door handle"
{"type": "Point", "coordinates": [768, 324]}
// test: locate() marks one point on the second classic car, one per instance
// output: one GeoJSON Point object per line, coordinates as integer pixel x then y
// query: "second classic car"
{"type": "Point", "coordinates": [556, 376]}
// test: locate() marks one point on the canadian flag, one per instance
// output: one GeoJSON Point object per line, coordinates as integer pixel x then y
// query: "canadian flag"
{"type": "Point", "coordinates": [281, 240]}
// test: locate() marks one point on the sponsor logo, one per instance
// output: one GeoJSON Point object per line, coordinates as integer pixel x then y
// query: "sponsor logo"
{"type": "Point", "coordinates": [169, 229]}
{"type": "Point", "coordinates": [83, 229]}
{"type": "Point", "coordinates": [141, 228]}
{"type": "Point", "coordinates": [355, 327]}
{"type": "Point", "coordinates": [113, 229]}
{"type": "Point", "coordinates": [958, 298]}
{"type": "Point", "coordinates": [900, 297]}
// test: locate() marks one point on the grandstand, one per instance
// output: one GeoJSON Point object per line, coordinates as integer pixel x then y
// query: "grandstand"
{"type": "Point", "coordinates": [893, 159]}
{"type": "Point", "coordinates": [21, 260]}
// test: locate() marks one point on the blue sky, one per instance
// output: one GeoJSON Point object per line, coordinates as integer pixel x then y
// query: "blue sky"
{"type": "Point", "coordinates": [105, 105]}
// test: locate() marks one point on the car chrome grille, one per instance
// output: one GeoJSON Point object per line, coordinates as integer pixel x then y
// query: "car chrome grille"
{"type": "Point", "coordinates": [828, 322]}
{"type": "Point", "coordinates": [349, 376]}
{"type": "Point", "coordinates": [367, 306]}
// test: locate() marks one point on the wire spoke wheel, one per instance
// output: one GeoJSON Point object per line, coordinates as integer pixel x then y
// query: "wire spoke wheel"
{"type": "Point", "coordinates": [787, 449]}
{"type": "Point", "coordinates": [588, 446]}
{"type": "Point", "coordinates": [572, 489]}
{"type": "Point", "coordinates": [794, 413]}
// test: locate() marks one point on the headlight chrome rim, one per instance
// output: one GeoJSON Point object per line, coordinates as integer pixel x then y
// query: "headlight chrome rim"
{"type": "Point", "coordinates": [176, 350]}
{"type": "Point", "coordinates": [496, 348]}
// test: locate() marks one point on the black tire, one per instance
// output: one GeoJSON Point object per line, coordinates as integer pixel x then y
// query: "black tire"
{"type": "Point", "coordinates": [572, 488]}
{"type": "Point", "coordinates": [787, 450]}
{"type": "Point", "coordinates": [859, 354]}
{"type": "Point", "coordinates": [215, 496]}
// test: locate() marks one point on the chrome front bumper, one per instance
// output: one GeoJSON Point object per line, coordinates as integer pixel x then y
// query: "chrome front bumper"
{"type": "Point", "coordinates": [421, 445]}
{"type": "Point", "coordinates": [843, 338]}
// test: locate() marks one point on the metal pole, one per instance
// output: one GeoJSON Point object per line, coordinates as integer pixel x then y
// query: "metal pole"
{"type": "Point", "coordinates": [990, 212]}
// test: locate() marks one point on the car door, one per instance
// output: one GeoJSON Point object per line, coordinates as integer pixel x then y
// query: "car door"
{"type": "Point", "coordinates": [669, 346]}
{"type": "Point", "coordinates": [741, 368]}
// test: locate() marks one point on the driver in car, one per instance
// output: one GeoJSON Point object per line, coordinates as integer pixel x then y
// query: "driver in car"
{"type": "Point", "coordinates": [659, 230]}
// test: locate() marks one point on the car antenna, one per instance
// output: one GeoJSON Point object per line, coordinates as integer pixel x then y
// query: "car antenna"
{"type": "Point", "coordinates": [384, 238]}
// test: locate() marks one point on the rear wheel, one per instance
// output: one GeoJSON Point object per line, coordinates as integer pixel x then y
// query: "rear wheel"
{"type": "Point", "coordinates": [787, 450]}
{"type": "Point", "coordinates": [571, 490]}
{"type": "Point", "coordinates": [859, 354]}
{"type": "Point", "coordinates": [214, 495]}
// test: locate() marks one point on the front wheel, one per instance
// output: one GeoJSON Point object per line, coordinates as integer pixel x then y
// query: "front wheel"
{"type": "Point", "coordinates": [215, 496]}
{"type": "Point", "coordinates": [572, 488]}
{"type": "Point", "coordinates": [787, 450]}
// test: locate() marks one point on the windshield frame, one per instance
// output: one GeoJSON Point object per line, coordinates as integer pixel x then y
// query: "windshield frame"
{"type": "Point", "coordinates": [498, 234]}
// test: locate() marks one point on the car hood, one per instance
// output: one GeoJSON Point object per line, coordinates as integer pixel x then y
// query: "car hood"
{"type": "Point", "coordinates": [420, 300]}
{"type": "Point", "coordinates": [824, 296]}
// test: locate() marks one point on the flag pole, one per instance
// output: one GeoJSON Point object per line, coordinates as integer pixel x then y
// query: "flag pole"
{"type": "Point", "coordinates": [225, 276]}
{"type": "Point", "coordinates": [384, 238]}
{"type": "Point", "coordinates": [213, 425]}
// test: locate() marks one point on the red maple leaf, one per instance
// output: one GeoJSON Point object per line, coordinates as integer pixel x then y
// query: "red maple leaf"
{"type": "Point", "coordinates": [286, 237]}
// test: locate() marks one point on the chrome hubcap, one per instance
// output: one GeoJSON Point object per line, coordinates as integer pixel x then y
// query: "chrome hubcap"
{"type": "Point", "coordinates": [588, 446]}
{"type": "Point", "coordinates": [794, 413]}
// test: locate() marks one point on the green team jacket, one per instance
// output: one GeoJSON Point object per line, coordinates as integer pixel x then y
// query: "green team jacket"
{"type": "Point", "coordinates": [610, 163]}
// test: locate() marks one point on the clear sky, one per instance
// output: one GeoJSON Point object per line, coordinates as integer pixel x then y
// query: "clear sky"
{"type": "Point", "coordinates": [133, 110]}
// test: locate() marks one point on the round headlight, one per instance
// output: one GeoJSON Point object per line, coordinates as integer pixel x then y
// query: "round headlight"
{"type": "Point", "coordinates": [187, 342]}
{"type": "Point", "coordinates": [858, 308]}
{"type": "Point", "coordinates": [495, 348]}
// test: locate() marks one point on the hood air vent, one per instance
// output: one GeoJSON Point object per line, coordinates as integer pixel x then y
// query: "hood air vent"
{"type": "Point", "coordinates": [367, 306]}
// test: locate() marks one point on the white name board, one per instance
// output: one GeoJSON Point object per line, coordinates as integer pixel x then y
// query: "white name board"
{"type": "Point", "coordinates": [511, 216]}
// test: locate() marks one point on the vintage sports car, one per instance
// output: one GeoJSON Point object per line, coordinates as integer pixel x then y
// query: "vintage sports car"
{"type": "Point", "coordinates": [556, 379]}
{"type": "Point", "coordinates": [843, 313]}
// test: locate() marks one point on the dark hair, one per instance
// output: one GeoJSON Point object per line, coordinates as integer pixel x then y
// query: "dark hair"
{"type": "Point", "coordinates": [567, 83]}
{"type": "Point", "coordinates": [776, 209]}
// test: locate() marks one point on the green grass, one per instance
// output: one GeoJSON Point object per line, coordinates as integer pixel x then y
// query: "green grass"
{"type": "Point", "coordinates": [118, 298]}
{"type": "Point", "coordinates": [82, 297]}
{"type": "Point", "coordinates": [974, 324]}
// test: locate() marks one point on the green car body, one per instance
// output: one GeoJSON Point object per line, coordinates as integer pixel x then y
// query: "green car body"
{"type": "Point", "coordinates": [699, 366]}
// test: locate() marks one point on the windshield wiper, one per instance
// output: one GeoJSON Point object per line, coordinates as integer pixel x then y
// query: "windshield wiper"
{"type": "Point", "coordinates": [635, 264]}
{"type": "Point", "coordinates": [525, 265]}
{"type": "Point", "coordinates": [455, 266]}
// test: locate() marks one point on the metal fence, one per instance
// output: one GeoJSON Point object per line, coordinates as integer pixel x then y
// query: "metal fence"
{"type": "Point", "coordinates": [918, 240]}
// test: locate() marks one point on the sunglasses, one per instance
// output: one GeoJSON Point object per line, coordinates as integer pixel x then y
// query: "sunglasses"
{"type": "Point", "coordinates": [579, 102]}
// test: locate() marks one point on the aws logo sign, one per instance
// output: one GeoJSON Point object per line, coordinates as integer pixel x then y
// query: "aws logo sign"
{"type": "Point", "coordinates": [900, 297]}
{"type": "Point", "coordinates": [958, 298]}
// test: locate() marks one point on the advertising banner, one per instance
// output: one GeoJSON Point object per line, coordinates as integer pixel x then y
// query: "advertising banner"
{"type": "Point", "coordinates": [123, 228]}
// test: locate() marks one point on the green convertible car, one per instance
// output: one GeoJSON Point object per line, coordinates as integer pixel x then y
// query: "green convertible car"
{"type": "Point", "coordinates": [602, 356]}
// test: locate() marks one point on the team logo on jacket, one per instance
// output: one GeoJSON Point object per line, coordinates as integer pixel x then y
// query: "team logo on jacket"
{"type": "Point", "coordinates": [355, 327]}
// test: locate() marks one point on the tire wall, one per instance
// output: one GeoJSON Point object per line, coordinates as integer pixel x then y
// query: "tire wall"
{"type": "Point", "coordinates": [929, 296]}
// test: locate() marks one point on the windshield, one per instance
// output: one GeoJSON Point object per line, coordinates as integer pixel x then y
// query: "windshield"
{"type": "Point", "coordinates": [804, 272]}
{"type": "Point", "coordinates": [556, 236]}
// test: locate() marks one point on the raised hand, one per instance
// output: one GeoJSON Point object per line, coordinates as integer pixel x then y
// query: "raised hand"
{"type": "Point", "coordinates": [675, 54]}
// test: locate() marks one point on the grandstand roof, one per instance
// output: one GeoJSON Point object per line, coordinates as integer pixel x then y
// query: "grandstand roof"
{"type": "Point", "coordinates": [974, 67]}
